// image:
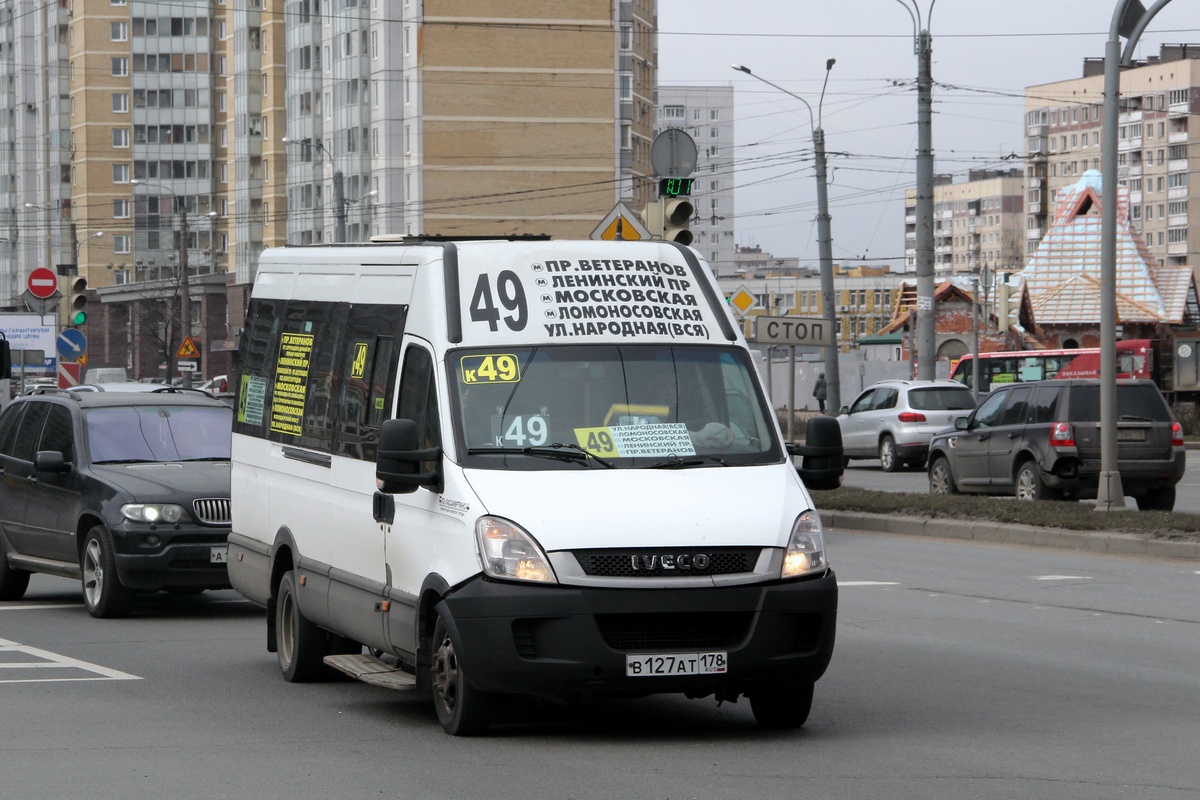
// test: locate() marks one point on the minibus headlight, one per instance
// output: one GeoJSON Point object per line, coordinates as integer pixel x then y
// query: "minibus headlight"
{"type": "Point", "coordinates": [152, 512]}
{"type": "Point", "coordinates": [507, 551]}
{"type": "Point", "coordinates": [805, 553]}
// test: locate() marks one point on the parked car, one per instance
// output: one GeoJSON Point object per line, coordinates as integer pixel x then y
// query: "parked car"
{"type": "Point", "coordinates": [894, 420]}
{"type": "Point", "coordinates": [125, 491]}
{"type": "Point", "coordinates": [120, 387]}
{"type": "Point", "coordinates": [1041, 440]}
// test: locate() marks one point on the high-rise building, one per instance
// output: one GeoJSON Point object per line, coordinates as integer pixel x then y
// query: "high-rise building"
{"type": "Point", "coordinates": [706, 114]}
{"type": "Point", "coordinates": [978, 223]}
{"type": "Point", "coordinates": [1155, 147]}
{"type": "Point", "coordinates": [136, 135]}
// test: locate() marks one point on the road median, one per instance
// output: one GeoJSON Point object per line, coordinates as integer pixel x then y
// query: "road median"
{"type": "Point", "coordinates": [1134, 544]}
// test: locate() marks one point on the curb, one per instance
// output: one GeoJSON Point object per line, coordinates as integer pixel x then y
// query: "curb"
{"type": "Point", "coordinates": [1128, 544]}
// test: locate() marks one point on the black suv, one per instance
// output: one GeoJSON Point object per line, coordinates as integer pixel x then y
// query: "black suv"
{"type": "Point", "coordinates": [125, 491]}
{"type": "Point", "coordinates": [1041, 440]}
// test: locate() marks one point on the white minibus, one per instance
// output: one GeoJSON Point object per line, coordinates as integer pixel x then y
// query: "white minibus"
{"type": "Point", "coordinates": [485, 467]}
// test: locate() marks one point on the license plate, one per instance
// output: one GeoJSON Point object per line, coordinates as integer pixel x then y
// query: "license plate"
{"type": "Point", "coordinates": [642, 665]}
{"type": "Point", "coordinates": [218, 555]}
{"type": "Point", "coordinates": [1131, 434]}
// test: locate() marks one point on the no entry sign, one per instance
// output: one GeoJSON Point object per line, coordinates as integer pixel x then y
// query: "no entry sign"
{"type": "Point", "coordinates": [43, 283]}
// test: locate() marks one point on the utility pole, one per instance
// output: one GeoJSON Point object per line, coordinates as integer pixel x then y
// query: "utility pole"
{"type": "Point", "coordinates": [339, 204]}
{"type": "Point", "coordinates": [185, 292]}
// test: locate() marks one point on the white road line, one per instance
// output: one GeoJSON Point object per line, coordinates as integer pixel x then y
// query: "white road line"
{"type": "Point", "coordinates": [868, 583]}
{"type": "Point", "coordinates": [55, 661]}
{"type": "Point", "coordinates": [1062, 577]}
{"type": "Point", "coordinates": [40, 606]}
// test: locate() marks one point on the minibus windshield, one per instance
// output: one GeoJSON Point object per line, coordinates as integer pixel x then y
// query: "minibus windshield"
{"type": "Point", "coordinates": [603, 406]}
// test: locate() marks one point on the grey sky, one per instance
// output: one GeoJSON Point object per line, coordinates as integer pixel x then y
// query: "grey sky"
{"type": "Point", "coordinates": [985, 53]}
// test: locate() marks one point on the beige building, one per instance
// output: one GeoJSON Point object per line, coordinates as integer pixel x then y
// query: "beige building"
{"type": "Point", "coordinates": [1156, 146]}
{"type": "Point", "coordinates": [978, 223]}
{"type": "Point", "coordinates": [145, 134]}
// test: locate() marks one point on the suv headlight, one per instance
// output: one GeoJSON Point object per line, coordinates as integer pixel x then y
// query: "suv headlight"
{"type": "Point", "coordinates": [806, 547]}
{"type": "Point", "coordinates": [152, 512]}
{"type": "Point", "coordinates": [507, 551]}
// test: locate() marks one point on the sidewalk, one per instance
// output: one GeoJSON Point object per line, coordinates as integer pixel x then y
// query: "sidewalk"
{"type": "Point", "coordinates": [983, 531]}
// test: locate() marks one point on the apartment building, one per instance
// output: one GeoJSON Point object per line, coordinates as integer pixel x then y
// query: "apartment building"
{"type": "Point", "coordinates": [978, 223]}
{"type": "Point", "coordinates": [864, 298]}
{"type": "Point", "coordinates": [1156, 147]}
{"type": "Point", "coordinates": [137, 135]}
{"type": "Point", "coordinates": [706, 113]}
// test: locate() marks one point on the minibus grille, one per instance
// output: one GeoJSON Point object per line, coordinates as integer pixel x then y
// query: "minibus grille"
{"type": "Point", "coordinates": [650, 632]}
{"type": "Point", "coordinates": [213, 510]}
{"type": "Point", "coordinates": [660, 563]}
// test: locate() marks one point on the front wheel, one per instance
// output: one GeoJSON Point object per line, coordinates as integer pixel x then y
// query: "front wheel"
{"type": "Point", "coordinates": [941, 481]}
{"type": "Point", "coordinates": [782, 707]}
{"type": "Point", "coordinates": [461, 708]}
{"type": "Point", "coordinates": [887, 454]}
{"type": "Point", "coordinates": [1158, 500]}
{"type": "Point", "coordinates": [103, 593]}
{"type": "Point", "coordinates": [301, 647]}
{"type": "Point", "coordinates": [1030, 485]}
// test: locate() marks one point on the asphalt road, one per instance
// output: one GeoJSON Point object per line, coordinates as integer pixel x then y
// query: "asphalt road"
{"type": "Point", "coordinates": [961, 670]}
{"type": "Point", "coordinates": [866, 474]}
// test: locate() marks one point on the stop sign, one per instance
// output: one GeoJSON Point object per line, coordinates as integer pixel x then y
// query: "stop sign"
{"type": "Point", "coordinates": [43, 283]}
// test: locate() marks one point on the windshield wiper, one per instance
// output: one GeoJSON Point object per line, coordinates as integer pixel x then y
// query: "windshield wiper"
{"type": "Point", "coordinates": [563, 452]}
{"type": "Point", "coordinates": [675, 462]}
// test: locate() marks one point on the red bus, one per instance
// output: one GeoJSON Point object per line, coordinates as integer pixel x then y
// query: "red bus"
{"type": "Point", "coordinates": [1135, 359]}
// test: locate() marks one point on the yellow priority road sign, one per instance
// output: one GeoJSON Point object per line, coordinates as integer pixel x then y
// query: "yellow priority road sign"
{"type": "Point", "coordinates": [621, 220]}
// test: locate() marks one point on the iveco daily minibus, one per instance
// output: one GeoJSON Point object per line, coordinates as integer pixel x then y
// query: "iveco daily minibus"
{"type": "Point", "coordinates": [521, 467]}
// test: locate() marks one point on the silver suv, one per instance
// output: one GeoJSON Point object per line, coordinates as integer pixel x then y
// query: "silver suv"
{"type": "Point", "coordinates": [894, 420]}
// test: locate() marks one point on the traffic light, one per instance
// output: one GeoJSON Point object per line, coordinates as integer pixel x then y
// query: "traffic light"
{"type": "Point", "coordinates": [652, 217]}
{"type": "Point", "coordinates": [77, 312]}
{"type": "Point", "coordinates": [677, 215]}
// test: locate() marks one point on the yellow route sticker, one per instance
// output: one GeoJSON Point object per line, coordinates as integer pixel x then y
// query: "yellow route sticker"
{"type": "Point", "coordinates": [496, 368]}
{"type": "Point", "coordinates": [629, 441]}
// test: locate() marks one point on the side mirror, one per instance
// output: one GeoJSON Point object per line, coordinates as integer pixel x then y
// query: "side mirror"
{"type": "Point", "coordinates": [5, 360]}
{"type": "Point", "coordinates": [50, 461]}
{"type": "Point", "coordinates": [398, 459]}
{"type": "Point", "coordinates": [960, 423]}
{"type": "Point", "coordinates": [822, 463]}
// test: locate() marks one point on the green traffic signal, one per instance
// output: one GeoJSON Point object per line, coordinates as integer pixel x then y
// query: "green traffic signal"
{"type": "Point", "coordinates": [78, 318]}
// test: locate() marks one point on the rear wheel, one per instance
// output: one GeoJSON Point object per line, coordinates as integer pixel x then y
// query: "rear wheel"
{"type": "Point", "coordinates": [13, 582]}
{"type": "Point", "coordinates": [1158, 500]}
{"type": "Point", "coordinates": [782, 707]}
{"type": "Point", "coordinates": [103, 593]}
{"type": "Point", "coordinates": [461, 708]}
{"type": "Point", "coordinates": [301, 647]}
{"type": "Point", "coordinates": [1030, 485]}
{"type": "Point", "coordinates": [887, 454]}
{"type": "Point", "coordinates": [941, 481]}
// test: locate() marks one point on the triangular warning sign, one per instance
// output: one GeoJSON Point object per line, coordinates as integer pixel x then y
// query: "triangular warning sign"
{"type": "Point", "coordinates": [188, 349]}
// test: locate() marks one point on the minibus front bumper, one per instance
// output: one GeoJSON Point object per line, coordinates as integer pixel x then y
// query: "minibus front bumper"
{"type": "Point", "coordinates": [569, 643]}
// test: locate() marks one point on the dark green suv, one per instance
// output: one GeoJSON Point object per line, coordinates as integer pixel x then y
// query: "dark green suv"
{"type": "Point", "coordinates": [123, 491]}
{"type": "Point", "coordinates": [1041, 440]}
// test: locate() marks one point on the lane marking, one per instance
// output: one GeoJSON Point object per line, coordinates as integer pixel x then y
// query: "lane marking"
{"type": "Point", "coordinates": [1062, 577]}
{"type": "Point", "coordinates": [40, 606]}
{"type": "Point", "coordinates": [52, 661]}
{"type": "Point", "coordinates": [868, 583]}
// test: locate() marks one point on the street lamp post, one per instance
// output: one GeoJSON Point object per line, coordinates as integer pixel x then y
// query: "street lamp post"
{"type": "Point", "coordinates": [824, 236]}
{"type": "Point", "coordinates": [926, 322]}
{"type": "Point", "coordinates": [339, 187]}
{"type": "Point", "coordinates": [1130, 19]}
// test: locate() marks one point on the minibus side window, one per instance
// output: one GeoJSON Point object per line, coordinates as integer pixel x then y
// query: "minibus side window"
{"type": "Point", "coordinates": [321, 328]}
{"type": "Point", "coordinates": [260, 340]}
{"type": "Point", "coordinates": [369, 363]}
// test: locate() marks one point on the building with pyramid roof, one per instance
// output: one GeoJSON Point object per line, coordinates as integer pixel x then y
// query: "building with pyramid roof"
{"type": "Point", "coordinates": [1062, 277]}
